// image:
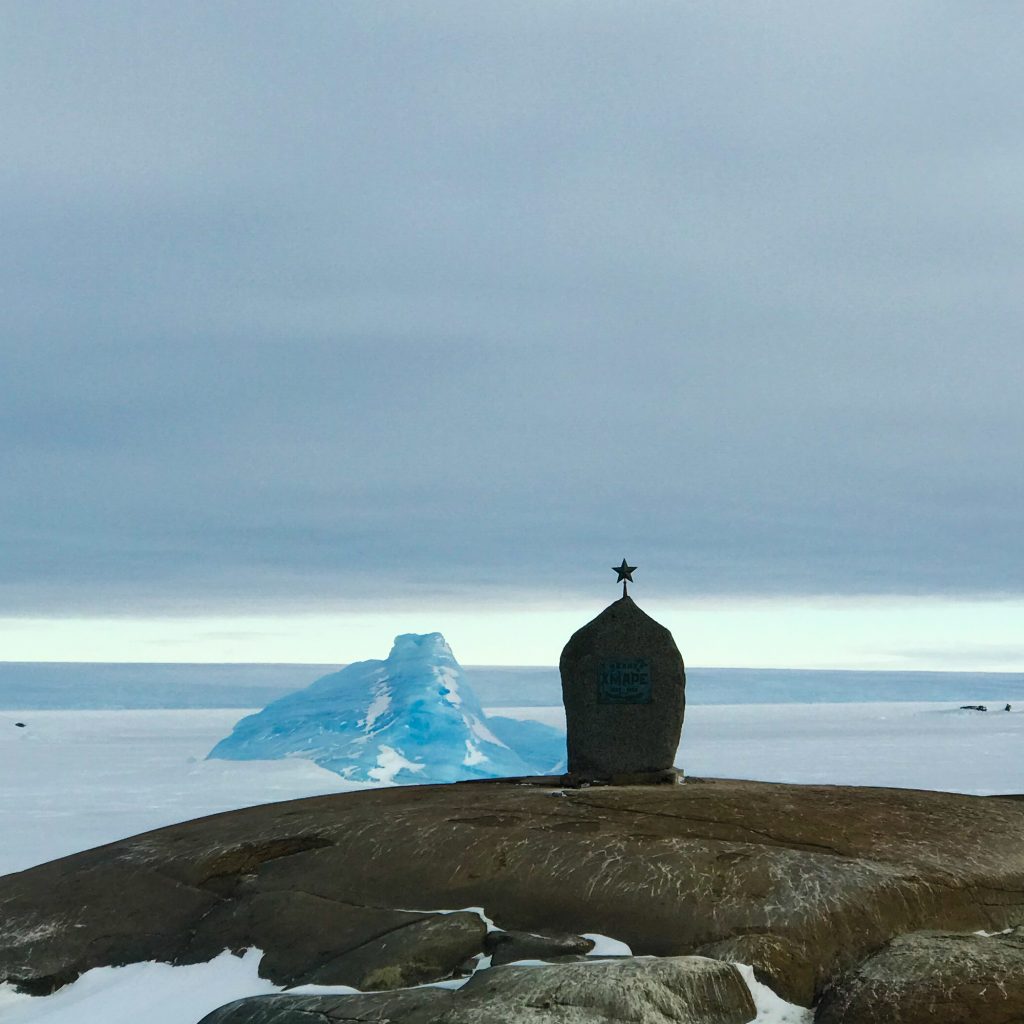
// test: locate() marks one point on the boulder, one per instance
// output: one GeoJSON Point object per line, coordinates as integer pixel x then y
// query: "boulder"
{"type": "Point", "coordinates": [311, 940]}
{"type": "Point", "coordinates": [429, 949]}
{"type": "Point", "coordinates": [933, 978]}
{"type": "Point", "coordinates": [680, 990]}
{"type": "Point", "coordinates": [508, 947]}
{"type": "Point", "coordinates": [784, 964]}
{"type": "Point", "coordinates": [674, 990]}
{"type": "Point", "coordinates": [408, 1006]}
{"type": "Point", "coordinates": [839, 871]}
{"type": "Point", "coordinates": [62, 923]}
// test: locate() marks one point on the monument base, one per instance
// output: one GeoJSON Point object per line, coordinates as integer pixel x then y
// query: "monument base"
{"type": "Point", "coordinates": [665, 777]}
{"type": "Point", "coordinates": [576, 780]}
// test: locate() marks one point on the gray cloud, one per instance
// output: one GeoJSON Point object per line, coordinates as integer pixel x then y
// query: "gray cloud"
{"type": "Point", "coordinates": [384, 301]}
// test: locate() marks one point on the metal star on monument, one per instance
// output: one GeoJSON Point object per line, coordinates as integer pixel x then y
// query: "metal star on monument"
{"type": "Point", "coordinates": [625, 572]}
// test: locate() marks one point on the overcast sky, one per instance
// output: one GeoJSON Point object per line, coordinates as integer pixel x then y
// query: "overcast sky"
{"type": "Point", "coordinates": [323, 306]}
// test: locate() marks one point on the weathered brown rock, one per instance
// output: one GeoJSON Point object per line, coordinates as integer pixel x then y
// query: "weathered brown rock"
{"type": "Point", "coordinates": [508, 947]}
{"type": "Point", "coordinates": [48, 920]}
{"type": "Point", "coordinates": [311, 940]}
{"type": "Point", "coordinates": [112, 911]}
{"type": "Point", "coordinates": [429, 949]}
{"type": "Point", "coordinates": [667, 869]}
{"type": "Point", "coordinates": [407, 1006]}
{"type": "Point", "coordinates": [623, 685]}
{"type": "Point", "coordinates": [674, 990]}
{"type": "Point", "coordinates": [933, 978]}
{"type": "Point", "coordinates": [682, 990]}
{"type": "Point", "coordinates": [782, 963]}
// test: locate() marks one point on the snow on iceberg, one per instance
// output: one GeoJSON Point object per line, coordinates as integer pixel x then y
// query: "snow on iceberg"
{"type": "Point", "coordinates": [412, 718]}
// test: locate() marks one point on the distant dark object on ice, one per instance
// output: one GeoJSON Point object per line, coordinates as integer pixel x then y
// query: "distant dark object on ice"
{"type": "Point", "coordinates": [1007, 708]}
{"type": "Point", "coordinates": [21, 725]}
{"type": "Point", "coordinates": [973, 707]}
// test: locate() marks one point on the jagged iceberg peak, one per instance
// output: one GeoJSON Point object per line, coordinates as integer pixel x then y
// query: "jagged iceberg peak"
{"type": "Point", "coordinates": [410, 718]}
{"type": "Point", "coordinates": [420, 647]}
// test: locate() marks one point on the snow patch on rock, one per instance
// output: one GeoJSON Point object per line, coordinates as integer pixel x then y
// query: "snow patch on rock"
{"type": "Point", "coordinates": [772, 1008]}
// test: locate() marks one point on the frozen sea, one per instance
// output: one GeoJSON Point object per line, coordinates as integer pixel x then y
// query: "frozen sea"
{"type": "Point", "coordinates": [63, 685]}
{"type": "Point", "coordinates": [97, 758]}
{"type": "Point", "coordinates": [107, 751]}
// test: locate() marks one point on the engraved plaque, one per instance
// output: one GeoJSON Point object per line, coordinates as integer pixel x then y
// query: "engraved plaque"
{"type": "Point", "coordinates": [625, 681]}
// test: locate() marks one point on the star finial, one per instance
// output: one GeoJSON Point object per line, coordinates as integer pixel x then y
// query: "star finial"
{"type": "Point", "coordinates": [625, 573]}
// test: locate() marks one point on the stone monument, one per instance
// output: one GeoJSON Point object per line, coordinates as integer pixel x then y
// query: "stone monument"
{"type": "Point", "coordinates": [623, 685]}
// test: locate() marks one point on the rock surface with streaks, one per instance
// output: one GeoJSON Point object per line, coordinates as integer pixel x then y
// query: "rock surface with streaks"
{"type": "Point", "coordinates": [933, 978]}
{"type": "Point", "coordinates": [784, 964]}
{"type": "Point", "coordinates": [505, 947]}
{"type": "Point", "coordinates": [672, 990]}
{"type": "Point", "coordinates": [669, 870]}
{"type": "Point", "coordinates": [404, 1006]}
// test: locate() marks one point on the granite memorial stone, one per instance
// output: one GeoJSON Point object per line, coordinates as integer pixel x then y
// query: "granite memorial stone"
{"type": "Point", "coordinates": [623, 685]}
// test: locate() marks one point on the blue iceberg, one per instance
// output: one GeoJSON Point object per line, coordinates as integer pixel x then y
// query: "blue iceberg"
{"type": "Point", "coordinates": [410, 719]}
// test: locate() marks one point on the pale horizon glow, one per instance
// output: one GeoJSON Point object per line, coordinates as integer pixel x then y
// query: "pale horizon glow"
{"type": "Point", "coordinates": [326, 322]}
{"type": "Point", "coordinates": [894, 633]}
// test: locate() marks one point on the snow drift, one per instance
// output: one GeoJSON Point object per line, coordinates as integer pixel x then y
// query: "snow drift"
{"type": "Point", "coordinates": [412, 718]}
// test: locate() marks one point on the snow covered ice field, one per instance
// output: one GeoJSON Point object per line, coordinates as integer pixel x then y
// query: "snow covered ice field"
{"type": "Point", "coordinates": [72, 779]}
{"type": "Point", "coordinates": [910, 745]}
{"type": "Point", "coordinates": [76, 779]}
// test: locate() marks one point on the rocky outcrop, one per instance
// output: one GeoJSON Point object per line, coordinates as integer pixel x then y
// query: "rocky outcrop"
{"type": "Point", "coordinates": [310, 940]}
{"type": "Point", "coordinates": [833, 871]}
{"type": "Point", "coordinates": [683, 990]}
{"type": "Point", "coordinates": [508, 947]}
{"type": "Point", "coordinates": [407, 1006]}
{"type": "Point", "coordinates": [933, 978]}
{"type": "Point", "coordinates": [784, 964]}
{"type": "Point", "coordinates": [673, 990]}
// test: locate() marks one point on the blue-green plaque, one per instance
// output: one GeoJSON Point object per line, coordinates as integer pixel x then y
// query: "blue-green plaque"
{"type": "Point", "coordinates": [624, 681]}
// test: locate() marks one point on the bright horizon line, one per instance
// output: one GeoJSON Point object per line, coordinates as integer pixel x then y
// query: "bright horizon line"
{"type": "Point", "coordinates": [474, 665]}
{"type": "Point", "coordinates": [854, 634]}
